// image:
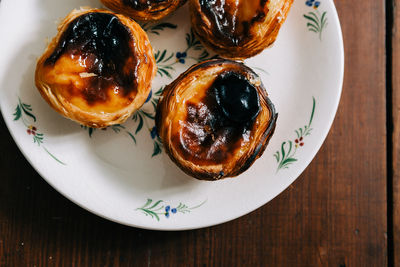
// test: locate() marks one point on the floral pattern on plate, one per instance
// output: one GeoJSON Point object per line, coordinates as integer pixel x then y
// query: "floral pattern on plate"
{"type": "Point", "coordinates": [316, 22]}
{"type": "Point", "coordinates": [287, 154]}
{"type": "Point", "coordinates": [24, 112]}
{"type": "Point", "coordinates": [159, 209]}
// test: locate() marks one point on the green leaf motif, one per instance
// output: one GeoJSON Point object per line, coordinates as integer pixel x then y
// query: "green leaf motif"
{"type": "Point", "coordinates": [161, 56]}
{"type": "Point", "coordinates": [38, 138]}
{"type": "Point", "coordinates": [204, 55]}
{"type": "Point", "coordinates": [24, 112]}
{"type": "Point", "coordinates": [164, 71]}
{"type": "Point", "coordinates": [157, 148]}
{"type": "Point", "coordinates": [54, 157]}
{"type": "Point", "coordinates": [140, 125]}
{"type": "Point", "coordinates": [118, 128]}
{"type": "Point", "coordinates": [285, 164]}
{"type": "Point", "coordinates": [192, 41]}
{"type": "Point", "coordinates": [277, 156]}
{"type": "Point", "coordinates": [182, 208]}
{"type": "Point", "coordinates": [27, 109]}
{"type": "Point", "coordinates": [316, 22]}
{"type": "Point", "coordinates": [154, 102]}
{"type": "Point", "coordinates": [91, 131]}
{"type": "Point", "coordinates": [160, 209]}
{"type": "Point", "coordinates": [159, 91]}
{"type": "Point", "coordinates": [152, 211]}
{"type": "Point", "coordinates": [147, 114]}
{"type": "Point", "coordinates": [132, 136]}
{"type": "Point", "coordinates": [286, 156]}
{"type": "Point", "coordinates": [163, 63]}
{"type": "Point", "coordinates": [18, 113]}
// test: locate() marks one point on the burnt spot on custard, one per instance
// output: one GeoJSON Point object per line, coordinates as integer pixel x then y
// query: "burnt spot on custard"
{"type": "Point", "coordinates": [216, 126]}
{"type": "Point", "coordinates": [106, 46]}
{"type": "Point", "coordinates": [236, 97]}
{"type": "Point", "coordinates": [142, 5]}
{"type": "Point", "coordinates": [227, 24]}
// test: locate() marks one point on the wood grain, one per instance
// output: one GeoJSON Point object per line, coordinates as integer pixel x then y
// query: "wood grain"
{"type": "Point", "coordinates": [396, 131]}
{"type": "Point", "coordinates": [333, 215]}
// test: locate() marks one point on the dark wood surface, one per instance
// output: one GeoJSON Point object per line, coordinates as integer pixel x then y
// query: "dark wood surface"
{"type": "Point", "coordinates": [335, 214]}
{"type": "Point", "coordinates": [394, 94]}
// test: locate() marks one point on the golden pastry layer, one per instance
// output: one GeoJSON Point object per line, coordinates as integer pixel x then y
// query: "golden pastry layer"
{"type": "Point", "coordinates": [238, 29]}
{"type": "Point", "coordinates": [98, 70]}
{"type": "Point", "coordinates": [144, 9]}
{"type": "Point", "coordinates": [215, 119]}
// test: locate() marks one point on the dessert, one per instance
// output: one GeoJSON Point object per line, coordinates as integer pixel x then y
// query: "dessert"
{"type": "Point", "coordinates": [215, 120]}
{"type": "Point", "coordinates": [99, 68]}
{"type": "Point", "coordinates": [144, 9]}
{"type": "Point", "coordinates": [238, 29]}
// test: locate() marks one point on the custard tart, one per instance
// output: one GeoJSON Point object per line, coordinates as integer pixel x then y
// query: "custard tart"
{"type": "Point", "coordinates": [215, 120]}
{"type": "Point", "coordinates": [144, 9]}
{"type": "Point", "coordinates": [98, 70]}
{"type": "Point", "coordinates": [238, 29]}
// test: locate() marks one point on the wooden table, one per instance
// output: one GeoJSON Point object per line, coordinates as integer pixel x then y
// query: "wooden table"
{"type": "Point", "coordinates": [343, 211]}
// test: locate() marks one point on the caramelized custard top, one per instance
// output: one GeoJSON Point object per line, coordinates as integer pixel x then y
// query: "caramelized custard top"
{"type": "Point", "coordinates": [220, 122]}
{"type": "Point", "coordinates": [93, 64]}
{"type": "Point", "coordinates": [232, 19]}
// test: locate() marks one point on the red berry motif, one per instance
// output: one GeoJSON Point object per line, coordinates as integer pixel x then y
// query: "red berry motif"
{"type": "Point", "coordinates": [31, 130]}
{"type": "Point", "coordinates": [287, 155]}
{"type": "Point", "coordinates": [299, 142]}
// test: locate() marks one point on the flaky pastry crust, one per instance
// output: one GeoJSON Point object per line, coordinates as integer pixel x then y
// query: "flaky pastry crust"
{"type": "Point", "coordinates": [145, 10]}
{"type": "Point", "coordinates": [65, 82]}
{"type": "Point", "coordinates": [238, 29]}
{"type": "Point", "coordinates": [187, 123]}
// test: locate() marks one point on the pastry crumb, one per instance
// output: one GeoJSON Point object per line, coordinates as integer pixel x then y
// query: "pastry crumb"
{"type": "Point", "coordinates": [87, 75]}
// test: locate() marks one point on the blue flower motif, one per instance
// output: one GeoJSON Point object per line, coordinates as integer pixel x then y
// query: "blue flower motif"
{"type": "Point", "coordinates": [181, 57]}
{"type": "Point", "coordinates": [167, 209]}
{"type": "Point", "coordinates": [154, 133]}
{"type": "Point", "coordinates": [149, 97]}
{"type": "Point", "coordinates": [173, 210]}
{"type": "Point", "coordinates": [310, 2]}
{"type": "Point", "coordinates": [313, 3]}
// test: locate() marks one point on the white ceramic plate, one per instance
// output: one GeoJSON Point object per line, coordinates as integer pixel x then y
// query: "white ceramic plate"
{"type": "Point", "coordinates": [121, 173]}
